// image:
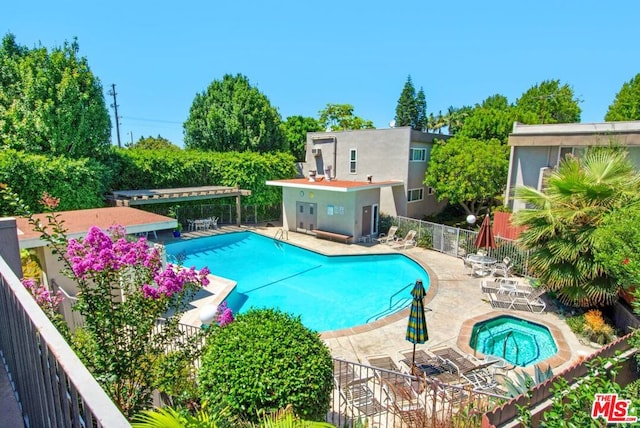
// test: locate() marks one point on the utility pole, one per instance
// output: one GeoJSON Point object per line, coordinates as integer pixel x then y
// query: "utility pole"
{"type": "Point", "coordinates": [115, 108]}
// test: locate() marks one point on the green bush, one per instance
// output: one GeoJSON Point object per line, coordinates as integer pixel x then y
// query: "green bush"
{"type": "Point", "coordinates": [264, 361]}
{"type": "Point", "coordinates": [576, 323]}
{"type": "Point", "coordinates": [79, 183]}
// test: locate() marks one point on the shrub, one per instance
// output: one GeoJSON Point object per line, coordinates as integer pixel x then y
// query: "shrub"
{"type": "Point", "coordinates": [576, 323]}
{"type": "Point", "coordinates": [264, 361]}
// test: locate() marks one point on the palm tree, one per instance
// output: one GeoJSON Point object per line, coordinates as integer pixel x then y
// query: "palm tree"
{"type": "Point", "coordinates": [562, 219]}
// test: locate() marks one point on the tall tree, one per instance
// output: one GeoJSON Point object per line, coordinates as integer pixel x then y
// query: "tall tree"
{"type": "Point", "coordinates": [493, 118]}
{"type": "Point", "coordinates": [231, 115]}
{"type": "Point", "coordinates": [626, 105]}
{"type": "Point", "coordinates": [549, 102]}
{"type": "Point", "coordinates": [51, 102]}
{"type": "Point", "coordinates": [411, 109]}
{"type": "Point", "coordinates": [153, 143]}
{"type": "Point", "coordinates": [468, 172]}
{"type": "Point", "coordinates": [295, 130]}
{"type": "Point", "coordinates": [340, 117]}
{"type": "Point", "coordinates": [563, 218]}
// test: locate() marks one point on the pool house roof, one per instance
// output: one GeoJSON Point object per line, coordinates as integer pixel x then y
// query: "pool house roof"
{"type": "Point", "coordinates": [78, 222]}
{"type": "Point", "coordinates": [333, 185]}
{"type": "Point", "coordinates": [125, 198]}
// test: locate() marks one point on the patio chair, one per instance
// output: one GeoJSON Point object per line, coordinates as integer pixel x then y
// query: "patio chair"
{"type": "Point", "coordinates": [408, 241]}
{"type": "Point", "coordinates": [508, 286]}
{"type": "Point", "coordinates": [383, 362]}
{"type": "Point", "coordinates": [402, 398]}
{"type": "Point", "coordinates": [343, 373]}
{"type": "Point", "coordinates": [390, 237]}
{"type": "Point", "coordinates": [421, 357]}
{"type": "Point", "coordinates": [530, 303]}
{"type": "Point", "coordinates": [459, 362]}
{"type": "Point", "coordinates": [502, 268]}
{"type": "Point", "coordinates": [361, 398]}
{"type": "Point", "coordinates": [468, 265]}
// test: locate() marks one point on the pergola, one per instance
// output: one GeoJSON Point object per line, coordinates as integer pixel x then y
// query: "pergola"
{"type": "Point", "coordinates": [127, 198]}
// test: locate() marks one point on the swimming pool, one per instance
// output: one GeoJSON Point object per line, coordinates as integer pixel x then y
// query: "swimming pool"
{"type": "Point", "coordinates": [521, 342]}
{"type": "Point", "coordinates": [328, 292]}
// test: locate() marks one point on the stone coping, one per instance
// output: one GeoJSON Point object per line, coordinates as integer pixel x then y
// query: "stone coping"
{"type": "Point", "coordinates": [562, 356]}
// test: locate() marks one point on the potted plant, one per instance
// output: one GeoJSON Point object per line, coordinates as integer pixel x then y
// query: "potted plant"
{"type": "Point", "coordinates": [173, 213]}
{"type": "Point", "coordinates": [177, 230]}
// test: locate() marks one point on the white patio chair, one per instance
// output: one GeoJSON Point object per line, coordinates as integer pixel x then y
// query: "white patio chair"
{"type": "Point", "coordinates": [502, 268]}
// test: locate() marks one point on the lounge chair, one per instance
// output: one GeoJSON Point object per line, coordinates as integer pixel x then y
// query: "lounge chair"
{"type": "Point", "coordinates": [390, 237]}
{"type": "Point", "coordinates": [408, 241]}
{"type": "Point", "coordinates": [459, 362]}
{"type": "Point", "coordinates": [384, 362]}
{"type": "Point", "coordinates": [361, 398]}
{"type": "Point", "coordinates": [343, 373]}
{"type": "Point", "coordinates": [403, 399]}
{"type": "Point", "coordinates": [507, 286]}
{"type": "Point", "coordinates": [530, 303]}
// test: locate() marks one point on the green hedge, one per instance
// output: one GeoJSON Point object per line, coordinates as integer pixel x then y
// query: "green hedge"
{"type": "Point", "coordinates": [149, 169]}
{"type": "Point", "coordinates": [264, 361]}
{"type": "Point", "coordinates": [79, 183]}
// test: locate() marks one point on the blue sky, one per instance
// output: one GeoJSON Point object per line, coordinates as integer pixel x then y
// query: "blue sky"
{"type": "Point", "coordinates": [305, 54]}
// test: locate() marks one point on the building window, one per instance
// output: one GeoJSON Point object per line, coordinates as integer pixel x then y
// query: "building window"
{"type": "Point", "coordinates": [564, 152]}
{"type": "Point", "coordinates": [353, 161]}
{"type": "Point", "coordinates": [431, 191]}
{"type": "Point", "coordinates": [415, 194]}
{"type": "Point", "coordinates": [418, 155]}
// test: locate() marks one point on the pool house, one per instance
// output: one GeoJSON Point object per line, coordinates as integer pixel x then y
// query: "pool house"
{"type": "Point", "coordinates": [339, 210]}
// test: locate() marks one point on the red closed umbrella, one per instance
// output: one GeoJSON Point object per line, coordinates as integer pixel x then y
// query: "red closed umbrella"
{"type": "Point", "coordinates": [485, 235]}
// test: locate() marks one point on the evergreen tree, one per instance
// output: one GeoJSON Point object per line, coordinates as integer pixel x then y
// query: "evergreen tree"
{"type": "Point", "coordinates": [626, 105]}
{"type": "Point", "coordinates": [411, 109]}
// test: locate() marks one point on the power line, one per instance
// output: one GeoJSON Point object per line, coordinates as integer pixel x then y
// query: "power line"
{"type": "Point", "coordinates": [152, 120]}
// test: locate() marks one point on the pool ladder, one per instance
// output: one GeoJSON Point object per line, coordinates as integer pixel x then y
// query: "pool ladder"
{"type": "Point", "coordinates": [475, 338]}
{"type": "Point", "coordinates": [281, 234]}
{"type": "Point", "coordinates": [401, 303]}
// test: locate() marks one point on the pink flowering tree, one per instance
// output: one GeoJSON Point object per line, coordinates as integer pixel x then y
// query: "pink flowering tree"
{"type": "Point", "coordinates": [131, 305]}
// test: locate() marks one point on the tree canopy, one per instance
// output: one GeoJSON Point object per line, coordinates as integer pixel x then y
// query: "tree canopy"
{"type": "Point", "coordinates": [626, 105]}
{"type": "Point", "coordinates": [153, 143]}
{"type": "Point", "coordinates": [548, 102]}
{"type": "Point", "coordinates": [468, 171]}
{"type": "Point", "coordinates": [231, 115]}
{"type": "Point", "coordinates": [51, 102]}
{"type": "Point", "coordinates": [493, 118]}
{"type": "Point", "coordinates": [295, 130]}
{"type": "Point", "coordinates": [340, 117]}
{"type": "Point", "coordinates": [412, 108]}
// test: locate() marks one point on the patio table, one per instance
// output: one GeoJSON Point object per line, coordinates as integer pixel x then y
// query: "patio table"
{"type": "Point", "coordinates": [486, 263]}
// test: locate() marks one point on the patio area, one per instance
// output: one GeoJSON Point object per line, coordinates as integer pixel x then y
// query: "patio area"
{"type": "Point", "coordinates": [453, 297]}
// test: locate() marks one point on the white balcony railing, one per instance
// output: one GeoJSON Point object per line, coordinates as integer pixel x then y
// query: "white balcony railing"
{"type": "Point", "coordinates": [52, 386]}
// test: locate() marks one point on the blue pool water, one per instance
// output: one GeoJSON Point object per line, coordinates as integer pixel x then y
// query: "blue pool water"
{"type": "Point", "coordinates": [328, 292]}
{"type": "Point", "coordinates": [522, 343]}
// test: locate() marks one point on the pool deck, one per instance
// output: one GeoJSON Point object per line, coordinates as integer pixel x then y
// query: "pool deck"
{"type": "Point", "coordinates": [454, 297]}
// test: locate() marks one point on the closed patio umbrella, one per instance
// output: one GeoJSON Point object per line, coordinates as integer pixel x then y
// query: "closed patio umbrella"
{"type": "Point", "coordinates": [417, 327]}
{"type": "Point", "coordinates": [485, 235]}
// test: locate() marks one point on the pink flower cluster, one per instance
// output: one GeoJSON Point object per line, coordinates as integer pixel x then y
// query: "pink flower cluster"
{"type": "Point", "coordinates": [225, 315]}
{"type": "Point", "coordinates": [100, 252]}
{"type": "Point", "coordinates": [43, 296]}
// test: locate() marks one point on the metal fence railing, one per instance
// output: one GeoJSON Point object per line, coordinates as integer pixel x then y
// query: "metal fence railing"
{"type": "Point", "coordinates": [458, 242]}
{"type": "Point", "coordinates": [52, 386]}
{"type": "Point", "coordinates": [375, 397]}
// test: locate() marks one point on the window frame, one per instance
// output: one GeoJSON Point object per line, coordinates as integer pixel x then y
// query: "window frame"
{"type": "Point", "coordinates": [420, 191]}
{"type": "Point", "coordinates": [353, 161]}
{"type": "Point", "coordinates": [421, 150]}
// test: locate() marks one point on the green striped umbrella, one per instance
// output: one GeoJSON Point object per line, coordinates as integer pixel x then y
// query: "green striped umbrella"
{"type": "Point", "coordinates": [417, 327]}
